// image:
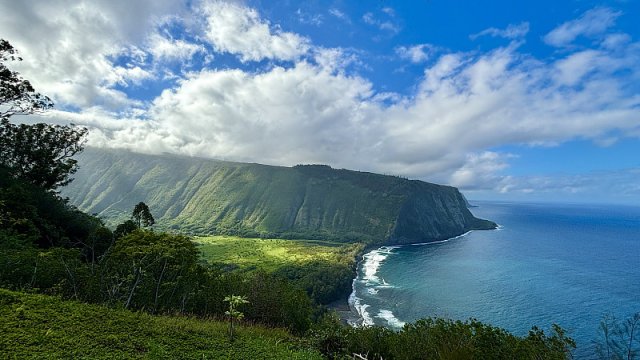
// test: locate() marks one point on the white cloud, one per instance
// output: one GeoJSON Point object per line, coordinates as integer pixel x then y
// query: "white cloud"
{"type": "Point", "coordinates": [167, 49]}
{"type": "Point", "coordinates": [480, 170]}
{"type": "Point", "coordinates": [389, 11]}
{"type": "Point", "coordinates": [339, 14]}
{"type": "Point", "coordinates": [511, 32]}
{"type": "Point", "coordinates": [619, 186]}
{"type": "Point", "coordinates": [592, 23]}
{"type": "Point", "coordinates": [69, 46]}
{"type": "Point", "coordinates": [240, 30]}
{"type": "Point", "coordinates": [416, 53]}
{"type": "Point", "coordinates": [293, 112]}
{"type": "Point", "coordinates": [466, 104]}
{"type": "Point", "coordinates": [615, 41]}
{"type": "Point", "coordinates": [335, 59]}
{"type": "Point", "coordinates": [388, 26]}
{"type": "Point", "coordinates": [310, 19]}
{"type": "Point", "coordinates": [125, 76]}
{"type": "Point", "coordinates": [309, 109]}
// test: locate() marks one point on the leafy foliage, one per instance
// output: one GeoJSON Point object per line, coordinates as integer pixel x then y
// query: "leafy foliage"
{"type": "Point", "coordinates": [46, 327]}
{"type": "Point", "coordinates": [438, 339]}
{"type": "Point", "coordinates": [325, 270]}
{"type": "Point", "coordinates": [150, 270]}
{"type": "Point", "coordinates": [33, 215]}
{"type": "Point", "coordinates": [17, 95]}
{"type": "Point", "coordinates": [40, 153]}
{"type": "Point", "coordinates": [235, 301]}
{"type": "Point", "coordinates": [155, 272]}
{"type": "Point", "coordinates": [142, 216]}
{"type": "Point", "coordinates": [619, 339]}
{"type": "Point", "coordinates": [125, 228]}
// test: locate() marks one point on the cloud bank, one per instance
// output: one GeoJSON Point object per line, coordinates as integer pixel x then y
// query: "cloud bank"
{"type": "Point", "coordinates": [301, 104]}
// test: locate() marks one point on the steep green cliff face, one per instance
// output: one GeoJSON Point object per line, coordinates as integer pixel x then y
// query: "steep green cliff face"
{"type": "Point", "coordinates": [205, 196]}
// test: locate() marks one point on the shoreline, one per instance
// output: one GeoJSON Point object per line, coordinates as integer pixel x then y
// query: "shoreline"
{"type": "Point", "coordinates": [345, 307]}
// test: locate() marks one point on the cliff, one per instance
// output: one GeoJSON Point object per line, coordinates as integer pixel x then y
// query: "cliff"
{"type": "Point", "coordinates": [205, 196]}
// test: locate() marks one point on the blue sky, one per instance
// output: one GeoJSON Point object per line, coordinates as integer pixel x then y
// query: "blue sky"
{"type": "Point", "coordinates": [508, 100]}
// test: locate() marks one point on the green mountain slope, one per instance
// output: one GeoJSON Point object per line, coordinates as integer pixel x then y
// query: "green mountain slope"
{"type": "Point", "coordinates": [312, 201]}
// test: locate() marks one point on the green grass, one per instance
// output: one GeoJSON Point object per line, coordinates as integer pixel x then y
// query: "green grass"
{"type": "Point", "coordinates": [45, 327]}
{"type": "Point", "coordinates": [271, 254]}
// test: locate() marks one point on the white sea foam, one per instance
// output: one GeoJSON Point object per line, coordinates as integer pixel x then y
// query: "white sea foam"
{"type": "Point", "coordinates": [372, 261]}
{"type": "Point", "coordinates": [361, 308]}
{"type": "Point", "coordinates": [384, 284]}
{"type": "Point", "coordinates": [388, 316]}
{"type": "Point", "coordinates": [443, 241]}
{"type": "Point", "coordinates": [370, 266]}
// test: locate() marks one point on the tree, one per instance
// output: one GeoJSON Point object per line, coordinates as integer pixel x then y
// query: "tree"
{"type": "Point", "coordinates": [40, 153]}
{"type": "Point", "coordinates": [150, 270]}
{"type": "Point", "coordinates": [17, 96]}
{"type": "Point", "coordinates": [125, 228]}
{"type": "Point", "coordinates": [234, 302]}
{"type": "Point", "coordinates": [619, 339]}
{"type": "Point", "coordinates": [142, 216]}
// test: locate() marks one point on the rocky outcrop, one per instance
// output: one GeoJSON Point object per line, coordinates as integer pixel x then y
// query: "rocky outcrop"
{"type": "Point", "coordinates": [432, 214]}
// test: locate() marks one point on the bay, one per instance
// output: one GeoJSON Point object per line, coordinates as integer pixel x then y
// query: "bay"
{"type": "Point", "coordinates": [547, 263]}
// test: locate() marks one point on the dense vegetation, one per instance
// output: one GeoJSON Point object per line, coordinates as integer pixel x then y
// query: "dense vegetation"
{"type": "Point", "coordinates": [145, 270]}
{"type": "Point", "coordinates": [203, 196]}
{"type": "Point", "coordinates": [439, 339]}
{"type": "Point", "coordinates": [161, 273]}
{"type": "Point", "coordinates": [325, 270]}
{"type": "Point", "coordinates": [46, 327]}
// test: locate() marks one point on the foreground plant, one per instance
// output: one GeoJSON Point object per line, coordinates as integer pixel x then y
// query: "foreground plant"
{"type": "Point", "coordinates": [234, 302]}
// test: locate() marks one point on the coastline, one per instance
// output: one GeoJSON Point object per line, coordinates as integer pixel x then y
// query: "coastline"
{"type": "Point", "coordinates": [349, 309]}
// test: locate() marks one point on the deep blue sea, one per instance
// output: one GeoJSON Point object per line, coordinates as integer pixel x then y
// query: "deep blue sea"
{"type": "Point", "coordinates": [547, 263]}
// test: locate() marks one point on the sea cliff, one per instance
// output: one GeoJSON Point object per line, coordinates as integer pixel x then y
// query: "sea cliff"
{"type": "Point", "coordinates": [204, 196]}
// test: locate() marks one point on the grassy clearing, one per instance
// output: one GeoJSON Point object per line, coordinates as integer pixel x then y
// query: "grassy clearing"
{"type": "Point", "coordinates": [272, 254]}
{"type": "Point", "coordinates": [45, 327]}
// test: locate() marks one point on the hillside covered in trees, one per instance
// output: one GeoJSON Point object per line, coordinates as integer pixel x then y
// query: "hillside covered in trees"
{"type": "Point", "coordinates": [204, 196]}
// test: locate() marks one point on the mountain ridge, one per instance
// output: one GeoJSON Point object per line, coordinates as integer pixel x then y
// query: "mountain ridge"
{"type": "Point", "coordinates": [206, 196]}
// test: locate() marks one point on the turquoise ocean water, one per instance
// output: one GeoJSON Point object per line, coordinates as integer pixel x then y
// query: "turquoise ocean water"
{"type": "Point", "coordinates": [548, 263]}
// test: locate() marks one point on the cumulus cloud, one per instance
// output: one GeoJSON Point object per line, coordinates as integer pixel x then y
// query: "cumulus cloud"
{"type": "Point", "coordinates": [592, 23]}
{"type": "Point", "coordinates": [511, 32]}
{"type": "Point", "coordinates": [465, 104]}
{"type": "Point", "coordinates": [480, 170]}
{"type": "Point", "coordinates": [302, 114]}
{"type": "Point", "coordinates": [416, 53]}
{"type": "Point", "coordinates": [69, 47]}
{"type": "Point", "coordinates": [165, 48]}
{"type": "Point", "coordinates": [306, 108]}
{"type": "Point", "coordinates": [240, 30]}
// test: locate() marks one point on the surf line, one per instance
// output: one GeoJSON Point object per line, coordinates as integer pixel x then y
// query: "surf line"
{"type": "Point", "coordinates": [367, 268]}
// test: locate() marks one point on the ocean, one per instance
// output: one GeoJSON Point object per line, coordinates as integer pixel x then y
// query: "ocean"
{"type": "Point", "coordinates": [547, 263]}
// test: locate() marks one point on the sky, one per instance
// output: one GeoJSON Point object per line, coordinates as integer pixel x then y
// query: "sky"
{"type": "Point", "coordinates": [506, 100]}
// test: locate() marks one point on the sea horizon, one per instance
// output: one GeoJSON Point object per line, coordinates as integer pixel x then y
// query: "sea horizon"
{"type": "Point", "coordinates": [523, 274]}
